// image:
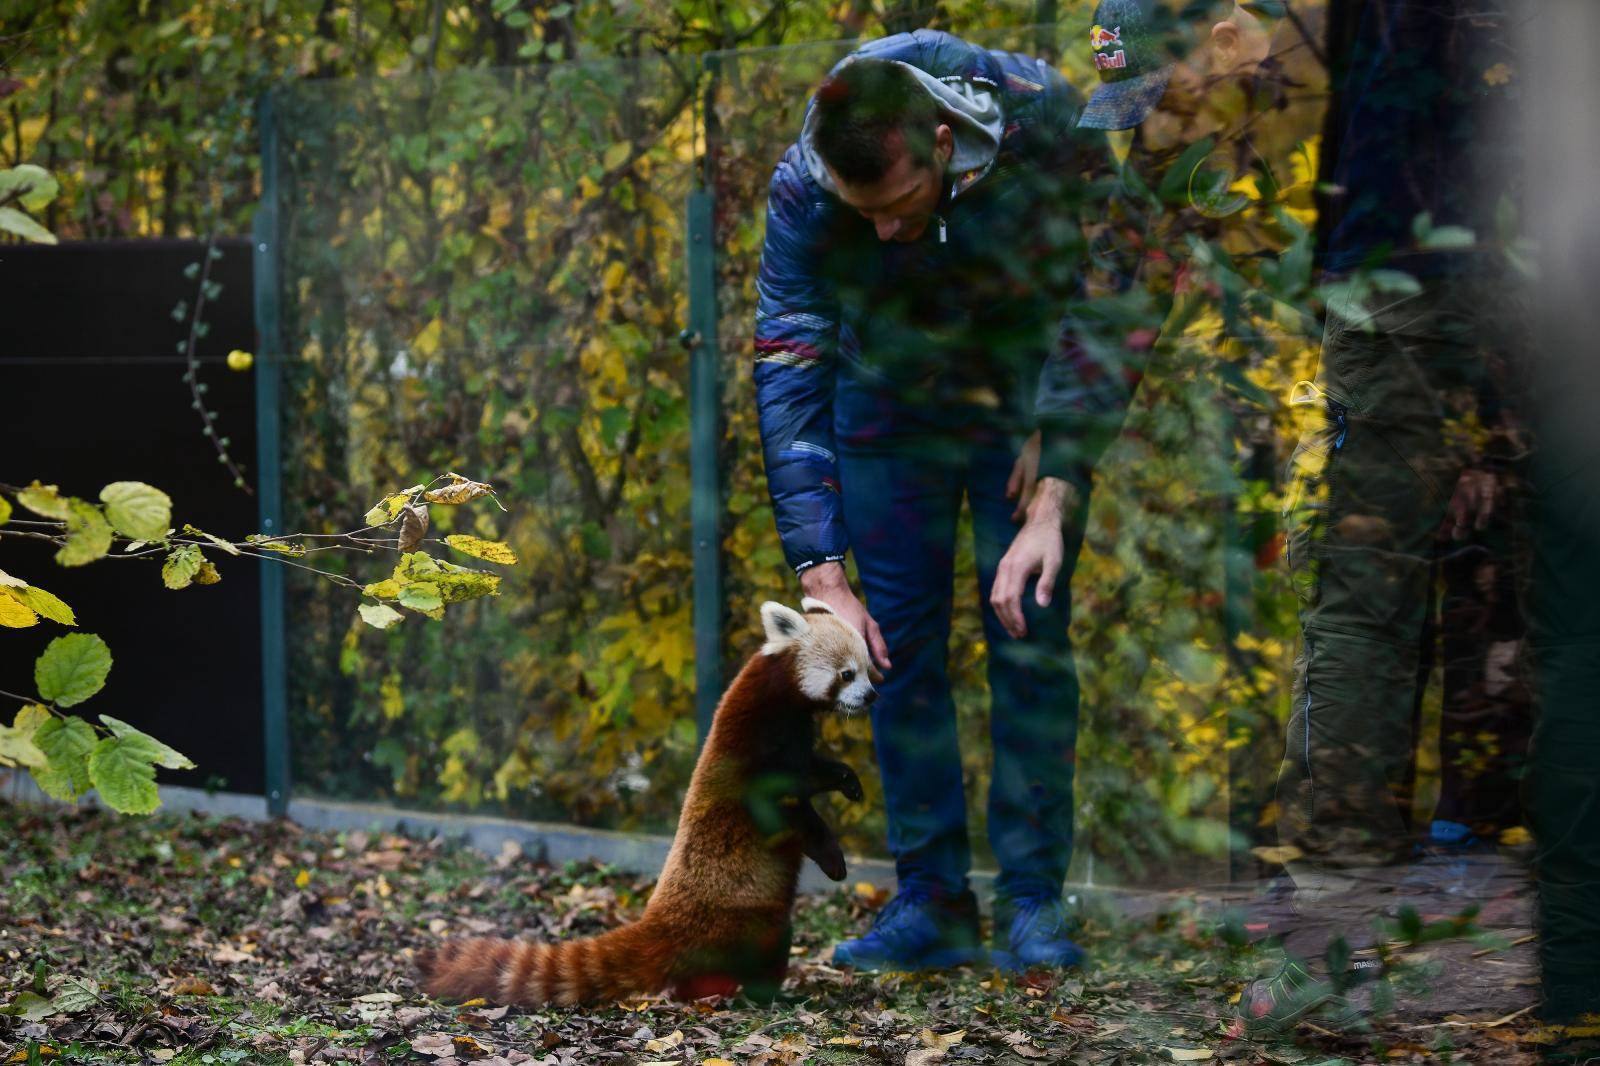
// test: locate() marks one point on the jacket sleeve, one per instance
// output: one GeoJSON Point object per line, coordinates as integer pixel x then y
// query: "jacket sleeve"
{"type": "Point", "coordinates": [1090, 374]}
{"type": "Point", "coordinates": [796, 349]}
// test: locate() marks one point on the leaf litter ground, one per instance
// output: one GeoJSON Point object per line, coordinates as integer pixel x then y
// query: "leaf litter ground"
{"type": "Point", "coordinates": [187, 940]}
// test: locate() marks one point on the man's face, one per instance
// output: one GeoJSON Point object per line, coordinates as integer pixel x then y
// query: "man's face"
{"type": "Point", "coordinates": [901, 203]}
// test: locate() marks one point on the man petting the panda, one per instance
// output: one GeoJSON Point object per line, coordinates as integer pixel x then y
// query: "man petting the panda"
{"type": "Point", "coordinates": [913, 348]}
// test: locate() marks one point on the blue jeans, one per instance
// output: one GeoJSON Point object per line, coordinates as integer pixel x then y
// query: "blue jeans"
{"type": "Point", "coordinates": [902, 484]}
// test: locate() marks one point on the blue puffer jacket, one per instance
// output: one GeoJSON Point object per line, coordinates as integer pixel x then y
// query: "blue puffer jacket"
{"type": "Point", "coordinates": [964, 325]}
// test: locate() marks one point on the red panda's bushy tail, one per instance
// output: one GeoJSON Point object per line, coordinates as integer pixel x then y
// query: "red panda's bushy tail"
{"type": "Point", "coordinates": [623, 962]}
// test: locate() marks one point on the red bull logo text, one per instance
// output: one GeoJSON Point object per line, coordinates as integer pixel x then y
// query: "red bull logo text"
{"type": "Point", "coordinates": [1100, 37]}
{"type": "Point", "coordinates": [1113, 61]}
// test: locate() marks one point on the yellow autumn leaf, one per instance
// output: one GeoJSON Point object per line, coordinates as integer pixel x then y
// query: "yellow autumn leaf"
{"type": "Point", "coordinates": [391, 696]}
{"type": "Point", "coordinates": [426, 342]}
{"type": "Point", "coordinates": [1277, 856]}
{"type": "Point", "coordinates": [494, 551]}
{"type": "Point", "coordinates": [938, 1042]}
{"type": "Point", "coordinates": [14, 614]}
{"type": "Point", "coordinates": [302, 879]}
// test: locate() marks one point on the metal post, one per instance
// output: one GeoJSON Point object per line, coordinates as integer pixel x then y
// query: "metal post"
{"type": "Point", "coordinates": [269, 478]}
{"type": "Point", "coordinates": [705, 435]}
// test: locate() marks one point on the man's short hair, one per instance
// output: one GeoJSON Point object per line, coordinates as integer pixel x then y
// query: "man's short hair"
{"type": "Point", "coordinates": [861, 108]}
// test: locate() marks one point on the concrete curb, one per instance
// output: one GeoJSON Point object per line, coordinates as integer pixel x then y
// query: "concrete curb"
{"type": "Point", "coordinates": [543, 841]}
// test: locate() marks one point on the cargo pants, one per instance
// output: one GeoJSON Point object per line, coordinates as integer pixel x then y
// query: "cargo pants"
{"type": "Point", "coordinates": [1393, 422]}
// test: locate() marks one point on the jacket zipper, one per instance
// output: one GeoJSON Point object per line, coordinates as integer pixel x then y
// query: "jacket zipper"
{"type": "Point", "coordinates": [940, 220]}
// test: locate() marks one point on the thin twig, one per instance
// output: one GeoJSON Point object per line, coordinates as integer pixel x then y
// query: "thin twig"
{"type": "Point", "coordinates": [192, 373]}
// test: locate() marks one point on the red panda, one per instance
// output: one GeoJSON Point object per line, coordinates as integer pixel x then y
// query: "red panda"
{"type": "Point", "coordinates": [719, 917]}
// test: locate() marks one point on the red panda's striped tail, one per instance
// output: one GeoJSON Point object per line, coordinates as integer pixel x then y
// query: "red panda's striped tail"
{"type": "Point", "coordinates": [622, 962]}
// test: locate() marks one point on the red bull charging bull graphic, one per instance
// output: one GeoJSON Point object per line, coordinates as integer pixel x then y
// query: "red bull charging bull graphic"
{"type": "Point", "coordinates": [1100, 38]}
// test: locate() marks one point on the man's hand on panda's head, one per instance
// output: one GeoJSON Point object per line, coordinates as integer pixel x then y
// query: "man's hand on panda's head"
{"type": "Point", "coordinates": [827, 582]}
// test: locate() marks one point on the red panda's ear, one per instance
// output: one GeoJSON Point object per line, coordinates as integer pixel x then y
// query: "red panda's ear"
{"type": "Point", "coordinates": [784, 626]}
{"type": "Point", "coordinates": [815, 606]}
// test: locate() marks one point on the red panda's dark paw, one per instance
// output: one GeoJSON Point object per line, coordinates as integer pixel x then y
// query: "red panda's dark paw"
{"type": "Point", "coordinates": [831, 862]}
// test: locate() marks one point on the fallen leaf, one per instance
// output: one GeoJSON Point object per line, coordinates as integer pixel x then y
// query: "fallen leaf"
{"type": "Point", "coordinates": [192, 986]}
{"type": "Point", "coordinates": [665, 1043]}
{"type": "Point", "coordinates": [438, 1045]}
{"type": "Point", "coordinates": [1188, 1054]}
{"type": "Point", "coordinates": [941, 1043]}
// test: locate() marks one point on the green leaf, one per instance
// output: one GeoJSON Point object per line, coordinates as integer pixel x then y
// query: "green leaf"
{"type": "Point", "coordinates": [46, 604]}
{"type": "Point", "coordinates": [423, 597]}
{"type": "Point", "coordinates": [76, 994]}
{"type": "Point", "coordinates": [5, 510]}
{"type": "Point", "coordinates": [72, 669]}
{"type": "Point", "coordinates": [379, 615]}
{"type": "Point", "coordinates": [494, 551]}
{"type": "Point", "coordinates": [44, 500]}
{"type": "Point", "coordinates": [1449, 237]}
{"type": "Point", "coordinates": [66, 742]}
{"type": "Point", "coordinates": [1395, 281]}
{"type": "Point", "coordinates": [28, 1007]}
{"type": "Point", "coordinates": [455, 583]}
{"type": "Point", "coordinates": [41, 185]}
{"type": "Point", "coordinates": [139, 511]}
{"type": "Point", "coordinates": [181, 566]}
{"type": "Point", "coordinates": [126, 782]}
{"type": "Point", "coordinates": [14, 221]}
{"type": "Point", "coordinates": [88, 535]}
{"type": "Point", "coordinates": [147, 746]}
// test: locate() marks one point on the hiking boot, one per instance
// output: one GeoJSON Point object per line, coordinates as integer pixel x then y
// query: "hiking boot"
{"type": "Point", "coordinates": [916, 931]}
{"type": "Point", "coordinates": [1031, 932]}
{"type": "Point", "coordinates": [1273, 1006]}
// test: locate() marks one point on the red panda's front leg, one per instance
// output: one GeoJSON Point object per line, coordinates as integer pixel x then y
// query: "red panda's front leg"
{"type": "Point", "coordinates": [830, 775]}
{"type": "Point", "coordinates": [818, 843]}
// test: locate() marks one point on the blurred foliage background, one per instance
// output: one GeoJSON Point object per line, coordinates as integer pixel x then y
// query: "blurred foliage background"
{"type": "Point", "coordinates": [483, 271]}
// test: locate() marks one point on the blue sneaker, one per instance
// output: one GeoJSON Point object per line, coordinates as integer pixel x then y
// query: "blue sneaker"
{"type": "Point", "coordinates": [1455, 867]}
{"type": "Point", "coordinates": [1035, 931]}
{"type": "Point", "coordinates": [915, 931]}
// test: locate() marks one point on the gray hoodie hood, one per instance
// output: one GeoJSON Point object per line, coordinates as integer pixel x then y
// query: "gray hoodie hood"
{"type": "Point", "coordinates": [975, 120]}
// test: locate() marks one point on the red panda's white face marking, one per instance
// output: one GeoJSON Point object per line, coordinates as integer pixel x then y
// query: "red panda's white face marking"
{"type": "Point", "coordinates": [831, 660]}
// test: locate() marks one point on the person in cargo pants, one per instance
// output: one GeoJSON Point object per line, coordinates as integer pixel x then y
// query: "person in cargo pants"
{"type": "Point", "coordinates": [1419, 383]}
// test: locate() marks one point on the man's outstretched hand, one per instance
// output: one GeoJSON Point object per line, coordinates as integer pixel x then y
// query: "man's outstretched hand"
{"type": "Point", "coordinates": [826, 582]}
{"type": "Point", "coordinates": [1038, 548]}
